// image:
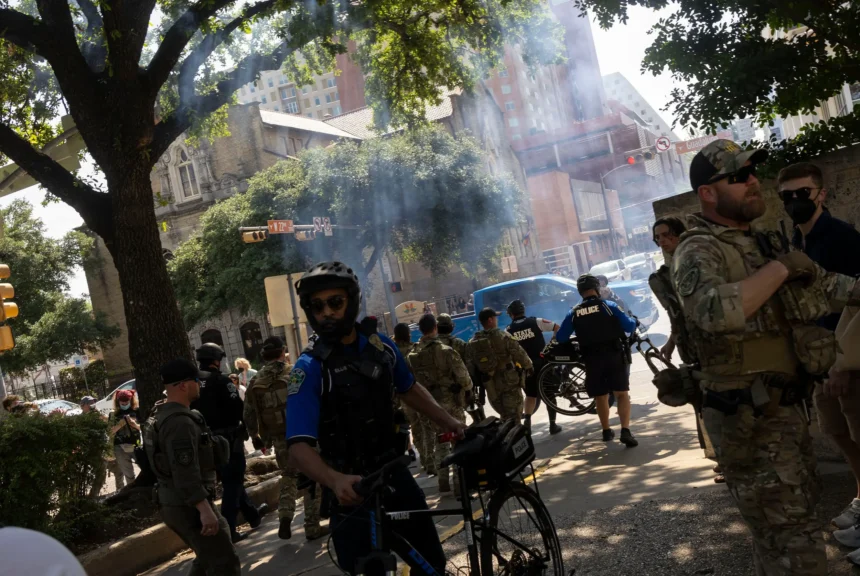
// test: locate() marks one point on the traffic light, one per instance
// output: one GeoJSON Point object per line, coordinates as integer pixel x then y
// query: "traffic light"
{"type": "Point", "coordinates": [7, 310]}
{"type": "Point", "coordinates": [305, 235]}
{"type": "Point", "coordinates": [251, 237]}
{"type": "Point", "coordinates": [640, 156]}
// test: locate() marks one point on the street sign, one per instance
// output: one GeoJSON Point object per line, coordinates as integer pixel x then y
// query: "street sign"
{"type": "Point", "coordinates": [697, 144]}
{"type": "Point", "coordinates": [640, 230]}
{"type": "Point", "coordinates": [326, 224]}
{"type": "Point", "coordinates": [77, 361]}
{"type": "Point", "coordinates": [318, 226]}
{"type": "Point", "coordinates": [280, 226]}
{"type": "Point", "coordinates": [663, 144]}
{"type": "Point", "coordinates": [409, 311]}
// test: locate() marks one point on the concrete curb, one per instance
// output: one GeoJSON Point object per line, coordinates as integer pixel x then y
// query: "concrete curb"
{"type": "Point", "coordinates": [140, 552]}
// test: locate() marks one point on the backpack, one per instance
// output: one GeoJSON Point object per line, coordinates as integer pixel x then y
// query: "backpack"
{"type": "Point", "coordinates": [484, 355]}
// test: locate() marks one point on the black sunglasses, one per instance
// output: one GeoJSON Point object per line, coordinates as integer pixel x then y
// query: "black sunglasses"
{"type": "Point", "coordinates": [739, 177]}
{"type": "Point", "coordinates": [800, 194]}
{"type": "Point", "coordinates": [335, 303]}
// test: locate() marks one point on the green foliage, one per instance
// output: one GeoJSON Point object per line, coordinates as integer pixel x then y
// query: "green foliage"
{"type": "Point", "coordinates": [49, 466]}
{"type": "Point", "coordinates": [718, 48]}
{"type": "Point", "coordinates": [423, 193]}
{"type": "Point", "coordinates": [51, 326]}
{"type": "Point", "coordinates": [72, 379]}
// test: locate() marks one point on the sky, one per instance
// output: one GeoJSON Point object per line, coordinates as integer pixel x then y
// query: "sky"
{"type": "Point", "coordinates": [619, 49]}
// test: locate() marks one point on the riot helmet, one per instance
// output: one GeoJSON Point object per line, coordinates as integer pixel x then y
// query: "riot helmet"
{"type": "Point", "coordinates": [326, 276]}
{"type": "Point", "coordinates": [210, 352]}
{"type": "Point", "coordinates": [587, 282]}
{"type": "Point", "coordinates": [516, 308]}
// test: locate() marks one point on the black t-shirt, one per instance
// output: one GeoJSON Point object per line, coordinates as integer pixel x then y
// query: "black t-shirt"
{"type": "Point", "coordinates": [126, 434]}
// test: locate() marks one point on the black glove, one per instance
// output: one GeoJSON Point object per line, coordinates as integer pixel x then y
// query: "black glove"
{"type": "Point", "coordinates": [257, 442]}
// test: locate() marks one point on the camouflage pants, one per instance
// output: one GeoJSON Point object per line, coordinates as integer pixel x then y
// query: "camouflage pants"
{"type": "Point", "coordinates": [509, 404]}
{"type": "Point", "coordinates": [442, 450]}
{"type": "Point", "coordinates": [417, 429]}
{"type": "Point", "coordinates": [289, 491]}
{"type": "Point", "coordinates": [769, 467]}
{"type": "Point", "coordinates": [424, 434]}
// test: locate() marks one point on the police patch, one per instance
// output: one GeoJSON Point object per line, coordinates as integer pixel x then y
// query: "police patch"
{"type": "Point", "coordinates": [184, 457]}
{"type": "Point", "coordinates": [688, 280]}
{"type": "Point", "coordinates": [297, 377]}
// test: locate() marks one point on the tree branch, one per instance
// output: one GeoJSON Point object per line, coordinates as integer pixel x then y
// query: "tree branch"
{"type": "Point", "coordinates": [125, 27]}
{"type": "Point", "coordinates": [192, 105]}
{"type": "Point", "coordinates": [177, 37]}
{"type": "Point", "coordinates": [23, 31]}
{"type": "Point", "coordinates": [94, 207]}
{"type": "Point", "coordinates": [61, 50]}
{"type": "Point", "coordinates": [94, 48]}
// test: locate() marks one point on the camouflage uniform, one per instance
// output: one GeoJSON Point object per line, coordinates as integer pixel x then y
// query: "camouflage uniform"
{"type": "Point", "coordinates": [494, 353]}
{"type": "Point", "coordinates": [760, 437]}
{"type": "Point", "coordinates": [441, 370]}
{"type": "Point", "coordinates": [265, 410]}
{"type": "Point", "coordinates": [420, 424]}
{"type": "Point", "coordinates": [476, 407]}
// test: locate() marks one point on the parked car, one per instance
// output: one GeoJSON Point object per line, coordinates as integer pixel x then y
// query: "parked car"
{"type": "Point", "coordinates": [614, 270]}
{"type": "Point", "coordinates": [640, 265]}
{"type": "Point", "coordinates": [50, 405]}
{"type": "Point", "coordinates": [105, 405]}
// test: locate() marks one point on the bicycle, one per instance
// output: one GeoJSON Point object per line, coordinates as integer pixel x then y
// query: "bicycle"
{"type": "Point", "coordinates": [491, 549]}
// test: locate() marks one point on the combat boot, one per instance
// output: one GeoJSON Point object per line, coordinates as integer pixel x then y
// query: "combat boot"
{"type": "Point", "coordinates": [444, 480]}
{"type": "Point", "coordinates": [284, 530]}
{"type": "Point", "coordinates": [316, 532]}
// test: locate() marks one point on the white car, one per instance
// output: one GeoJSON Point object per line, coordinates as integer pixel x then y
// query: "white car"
{"type": "Point", "coordinates": [640, 265]}
{"type": "Point", "coordinates": [614, 270]}
{"type": "Point", "coordinates": [105, 405]}
{"type": "Point", "coordinates": [50, 405]}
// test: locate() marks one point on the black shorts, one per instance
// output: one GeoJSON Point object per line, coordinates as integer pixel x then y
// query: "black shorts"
{"type": "Point", "coordinates": [606, 373]}
{"type": "Point", "coordinates": [531, 384]}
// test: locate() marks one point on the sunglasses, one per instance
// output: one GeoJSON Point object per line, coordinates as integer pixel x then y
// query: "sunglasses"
{"type": "Point", "coordinates": [739, 177]}
{"type": "Point", "coordinates": [334, 303]}
{"type": "Point", "coordinates": [801, 194]}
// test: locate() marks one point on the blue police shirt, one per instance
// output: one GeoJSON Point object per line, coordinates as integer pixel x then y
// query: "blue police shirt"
{"type": "Point", "coordinates": [305, 390]}
{"type": "Point", "coordinates": [628, 324]}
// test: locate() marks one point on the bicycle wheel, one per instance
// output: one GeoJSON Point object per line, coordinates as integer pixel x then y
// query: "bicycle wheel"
{"type": "Point", "coordinates": [519, 538]}
{"type": "Point", "coordinates": [562, 386]}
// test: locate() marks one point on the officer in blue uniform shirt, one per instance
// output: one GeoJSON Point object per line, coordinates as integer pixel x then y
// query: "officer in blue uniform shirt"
{"type": "Point", "coordinates": [601, 329]}
{"type": "Point", "coordinates": [340, 417]}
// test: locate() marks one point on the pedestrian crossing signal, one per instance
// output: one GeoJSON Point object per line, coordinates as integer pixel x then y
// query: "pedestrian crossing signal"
{"type": "Point", "coordinates": [251, 237]}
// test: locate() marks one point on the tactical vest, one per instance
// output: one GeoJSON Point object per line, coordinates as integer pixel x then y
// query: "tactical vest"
{"type": "Point", "coordinates": [432, 368]}
{"type": "Point", "coordinates": [488, 352]}
{"type": "Point", "coordinates": [782, 332]}
{"type": "Point", "coordinates": [527, 332]}
{"type": "Point", "coordinates": [268, 395]}
{"type": "Point", "coordinates": [661, 284]}
{"type": "Point", "coordinates": [357, 428]}
{"type": "Point", "coordinates": [597, 331]}
{"type": "Point", "coordinates": [457, 344]}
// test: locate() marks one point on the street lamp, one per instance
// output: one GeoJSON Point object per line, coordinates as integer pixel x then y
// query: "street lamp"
{"type": "Point", "coordinates": [612, 240]}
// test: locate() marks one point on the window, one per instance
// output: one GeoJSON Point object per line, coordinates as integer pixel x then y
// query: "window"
{"type": "Point", "coordinates": [328, 112]}
{"type": "Point", "coordinates": [304, 89]}
{"type": "Point", "coordinates": [506, 88]}
{"type": "Point", "coordinates": [307, 103]}
{"type": "Point", "coordinates": [309, 115]}
{"type": "Point", "coordinates": [336, 96]}
{"type": "Point", "coordinates": [283, 80]}
{"type": "Point", "coordinates": [337, 110]}
{"type": "Point", "coordinates": [516, 136]}
{"type": "Point", "coordinates": [271, 83]}
{"type": "Point", "coordinates": [328, 98]}
{"type": "Point", "coordinates": [330, 83]}
{"type": "Point", "coordinates": [212, 336]}
{"type": "Point", "coordinates": [292, 92]}
{"type": "Point", "coordinates": [277, 109]}
{"type": "Point", "coordinates": [252, 339]}
{"type": "Point", "coordinates": [296, 145]}
{"type": "Point", "coordinates": [319, 114]}
{"type": "Point", "coordinates": [273, 96]}
{"type": "Point", "coordinates": [253, 89]}
{"type": "Point", "coordinates": [187, 177]}
{"type": "Point", "coordinates": [513, 122]}
{"type": "Point", "coordinates": [503, 73]}
{"type": "Point", "coordinates": [283, 93]}
{"type": "Point", "coordinates": [642, 112]}
{"type": "Point", "coordinates": [590, 209]}
{"type": "Point", "coordinates": [317, 101]}
{"type": "Point", "coordinates": [291, 107]}
{"type": "Point", "coordinates": [510, 106]}
{"type": "Point", "coordinates": [263, 99]}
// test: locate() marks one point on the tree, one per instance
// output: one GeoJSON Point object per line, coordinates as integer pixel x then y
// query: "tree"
{"type": "Point", "coordinates": [424, 193]}
{"type": "Point", "coordinates": [51, 326]}
{"type": "Point", "coordinates": [133, 89]}
{"type": "Point", "coordinates": [733, 70]}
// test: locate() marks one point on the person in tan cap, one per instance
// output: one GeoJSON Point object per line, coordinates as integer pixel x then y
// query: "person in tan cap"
{"type": "Point", "coordinates": [750, 307]}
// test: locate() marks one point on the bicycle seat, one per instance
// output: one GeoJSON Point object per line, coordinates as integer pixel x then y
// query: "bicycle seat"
{"type": "Point", "coordinates": [464, 450]}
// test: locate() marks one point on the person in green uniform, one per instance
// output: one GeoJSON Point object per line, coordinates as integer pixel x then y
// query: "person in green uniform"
{"type": "Point", "coordinates": [184, 454]}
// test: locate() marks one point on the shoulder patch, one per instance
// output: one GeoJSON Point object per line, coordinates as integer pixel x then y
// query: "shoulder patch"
{"type": "Point", "coordinates": [183, 453]}
{"type": "Point", "coordinates": [688, 278]}
{"type": "Point", "coordinates": [376, 341]}
{"type": "Point", "coordinates": [297, 378]}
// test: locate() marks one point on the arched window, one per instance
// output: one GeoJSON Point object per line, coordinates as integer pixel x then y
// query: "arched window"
{"type": "Point", "coordinates": [187, 177]}
{"type": "Point", "coordinates": [252, 340]}
{"type": "Point", "coordinates": [213, 336]}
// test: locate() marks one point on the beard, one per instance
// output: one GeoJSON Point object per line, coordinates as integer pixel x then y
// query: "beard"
{"type": "Point", "coordinates": [747, 209]}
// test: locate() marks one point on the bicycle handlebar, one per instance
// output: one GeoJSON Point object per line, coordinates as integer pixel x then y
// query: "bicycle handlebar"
{"type": "Point", "coordinates": [464, 449]}
{"type": "Point", "coordinates": [373, 482]}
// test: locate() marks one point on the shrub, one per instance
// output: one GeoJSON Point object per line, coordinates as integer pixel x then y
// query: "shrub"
{"type": "Point", "coordinates": [49, 467]}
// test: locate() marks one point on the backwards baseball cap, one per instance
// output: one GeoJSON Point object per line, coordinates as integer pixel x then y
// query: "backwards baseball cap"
{"type": "Point", "coordinates": [721, 158]}
{"type": "Point", "coordinates": [273, 343]}
{"type": "Point", "coordinates": [88, 400]}
{"type": "Point", "coordinates": [180, 370]}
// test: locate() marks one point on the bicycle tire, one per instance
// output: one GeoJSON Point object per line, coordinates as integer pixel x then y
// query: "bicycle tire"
{"type": "Point", "coordinates": [549, 383]}
{"type": "Point", "coordinates": [539, 522]}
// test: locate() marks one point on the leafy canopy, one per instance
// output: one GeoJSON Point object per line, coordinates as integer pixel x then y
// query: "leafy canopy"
{"type": "Point", "coordinates": [423, 193]}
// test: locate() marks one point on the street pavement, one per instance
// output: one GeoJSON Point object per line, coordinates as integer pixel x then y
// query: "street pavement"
{"type": "Point", "coordinates": [579, 474]}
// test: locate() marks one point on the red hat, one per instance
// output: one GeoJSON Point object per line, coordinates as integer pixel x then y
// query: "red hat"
{"type": "Point", "coordinates": [125, 395]}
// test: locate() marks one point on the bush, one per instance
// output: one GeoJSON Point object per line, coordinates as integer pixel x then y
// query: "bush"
{"type": "Point", "coordinates": [71, 380]}
{"type": "Point", "coordinates": [49, 466]}
{"type": "Point", "coordinates": [96, 376]}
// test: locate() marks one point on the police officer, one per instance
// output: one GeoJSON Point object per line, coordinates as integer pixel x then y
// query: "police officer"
{"type": "Point", "coordinates": [222, 407]}
{"type": "Point", "coordinates": [608, 293]}
{"type": "Point", "coordinates": [528, 331]}
{"type": "Point", "coordinates": [340, 397]}
{"type": "Point", "coordinates": [494, 354]}
{"type": "Point", "coordinates": [442, 372]}
{"type": "Point", "coordinates": [478, 397]}
{"type": "Point", "coordinates": [265, 410]}
{"type": "Point", "coordinates": [601, 328]}
{"type": "Point", "coordinates": [749, 307]}
{"type": "Point", "coordinates": [184, 454]}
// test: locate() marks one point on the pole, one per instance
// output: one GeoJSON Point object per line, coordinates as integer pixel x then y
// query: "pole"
{"type": "Point", "coordinates": [2, 385]}
{"type": "Point", "coordinates": [387, 289]}
{"type": "Point", "coordinates": [292, 330]}
{"type": "Point", "coordinates": [612, 241]}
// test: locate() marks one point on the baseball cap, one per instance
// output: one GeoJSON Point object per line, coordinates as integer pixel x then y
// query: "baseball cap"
{"type": "Point", "coordinates": [721, 158]}
{"type": "Point", "coordinates": [88, 400]}
{"type": "Point", "coordinates": [273, 343]}
{"type": "Point", "coordinates": [179, 370]}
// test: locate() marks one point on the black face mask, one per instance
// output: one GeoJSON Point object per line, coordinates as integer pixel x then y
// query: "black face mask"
{"type": "Point", "coordinates": [801, 210]}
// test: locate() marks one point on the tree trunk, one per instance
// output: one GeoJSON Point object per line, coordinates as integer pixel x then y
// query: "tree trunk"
{"type": "Point", "coordinates": [155, 330]}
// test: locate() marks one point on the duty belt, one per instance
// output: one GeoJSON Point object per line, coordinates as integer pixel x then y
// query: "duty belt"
{"type": "Point", "coordinates": [764, 392]}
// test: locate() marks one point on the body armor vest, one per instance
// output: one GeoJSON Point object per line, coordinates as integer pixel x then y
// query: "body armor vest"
{"type": "Point", "coordinates": [268, 395]}
{"type": "Point", "coordinates": [432, 367]}
{"type": "Point", "coordinates": [661, 284]}
{"type": "Point", "coordinates": [458, 344]}
{"type": "Point", "coordinates": [527, 332]}
{"type": "Point", "coordinates": [596, 330]}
